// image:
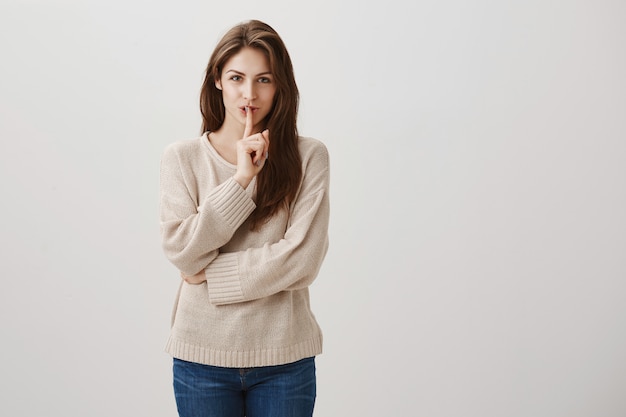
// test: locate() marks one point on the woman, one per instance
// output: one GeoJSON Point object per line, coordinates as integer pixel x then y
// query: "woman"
{"type": "Point", "coordinates": [244, 217]}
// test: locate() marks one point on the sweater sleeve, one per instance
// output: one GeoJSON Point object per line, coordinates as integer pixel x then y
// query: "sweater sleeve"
{"type": "Point", "coordinates": [192, 234]}
{"type": "Point", "coordinates": [289, 264]}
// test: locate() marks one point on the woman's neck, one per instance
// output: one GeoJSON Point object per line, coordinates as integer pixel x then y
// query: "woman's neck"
{"type": "Point", "coordinates": [224, 141]}
{"type": "Point", "coordinates": [231, 130]}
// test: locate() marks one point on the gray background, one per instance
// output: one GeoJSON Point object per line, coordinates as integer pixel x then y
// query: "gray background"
{"type": "Point", "coordinates": [478, 238]}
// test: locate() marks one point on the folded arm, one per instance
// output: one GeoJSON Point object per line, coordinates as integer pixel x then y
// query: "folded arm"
{"type": "Point", "coordinates": [289, 264]}
{"type": "Point", "coordinates": [192, 231]}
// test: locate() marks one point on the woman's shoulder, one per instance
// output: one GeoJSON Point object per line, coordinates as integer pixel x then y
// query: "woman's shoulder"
{"type": "Point", "coordinates": [183, 152]}
{"type": "Point", "coordinates": [183, 146]}
{"type": "Point", "coordinates": [310, 147]}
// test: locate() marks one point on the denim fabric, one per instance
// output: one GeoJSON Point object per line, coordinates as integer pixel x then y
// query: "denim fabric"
{"type": "Point", "coordinates": [271, 391]}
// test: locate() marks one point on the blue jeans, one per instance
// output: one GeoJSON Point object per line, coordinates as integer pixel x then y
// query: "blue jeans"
{"type": "Point", "coordinates": [271, 391]}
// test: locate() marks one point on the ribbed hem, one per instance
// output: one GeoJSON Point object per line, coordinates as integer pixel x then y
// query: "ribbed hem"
{"type": "Point", "coordinates": [244, 359]}
{"type": "Point", "coordinates": [223, 281]}
{"type": "Point", "coordinates": [232, 202]}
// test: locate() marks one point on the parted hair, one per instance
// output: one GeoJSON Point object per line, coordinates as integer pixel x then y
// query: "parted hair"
{"type": "Point", "coordinates": [277, 183]}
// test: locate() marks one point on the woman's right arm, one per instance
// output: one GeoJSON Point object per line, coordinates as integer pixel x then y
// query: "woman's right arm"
{"type": "Point", "coordinates": [192, 235]}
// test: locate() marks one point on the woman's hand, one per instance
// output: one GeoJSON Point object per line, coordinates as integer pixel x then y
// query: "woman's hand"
{"type": "Point", "coordinates": [252, 152]}
{"type": "Point", "coordinates": [199, 278]}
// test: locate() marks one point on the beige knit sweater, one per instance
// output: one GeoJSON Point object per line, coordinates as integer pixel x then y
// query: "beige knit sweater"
{"type": "Point", "coordinates": [254, 309]}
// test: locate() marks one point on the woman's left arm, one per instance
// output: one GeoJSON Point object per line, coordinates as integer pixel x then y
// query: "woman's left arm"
{"type": "Point", "coordinates": [289, 264]}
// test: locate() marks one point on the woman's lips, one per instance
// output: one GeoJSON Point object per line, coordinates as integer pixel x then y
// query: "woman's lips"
{"type": "Point", "coordinates": [245, 109]}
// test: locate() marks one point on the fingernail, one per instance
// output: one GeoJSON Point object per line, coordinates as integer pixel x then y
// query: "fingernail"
{"type": "Point", "coordinates": [267, 155]}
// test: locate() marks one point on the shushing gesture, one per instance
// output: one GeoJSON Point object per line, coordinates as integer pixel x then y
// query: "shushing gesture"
{"type": "Point", "coordinates": [252, 152]}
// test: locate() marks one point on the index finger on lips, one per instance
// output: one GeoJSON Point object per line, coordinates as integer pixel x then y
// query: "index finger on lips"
{"type": "Point", "coordinates": [248, 129]}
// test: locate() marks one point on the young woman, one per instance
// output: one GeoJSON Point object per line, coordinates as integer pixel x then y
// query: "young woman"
{"type": "Point", "coordinates": [244, 217]}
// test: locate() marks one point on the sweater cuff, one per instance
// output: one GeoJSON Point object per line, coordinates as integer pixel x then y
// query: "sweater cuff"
{"type": "Point", "coordinates": [222, 277]}
{"type": "Point", "coordinates": [232, 202]}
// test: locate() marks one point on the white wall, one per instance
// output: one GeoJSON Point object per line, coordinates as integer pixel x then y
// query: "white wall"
{"type": "Point", "coordinates": [478, 237]}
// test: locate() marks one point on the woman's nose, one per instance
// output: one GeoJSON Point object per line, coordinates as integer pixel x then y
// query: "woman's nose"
{"type": "Point", "coordinates": [249, 92]}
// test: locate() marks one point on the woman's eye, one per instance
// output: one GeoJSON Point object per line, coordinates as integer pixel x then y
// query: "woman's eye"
{"type": "Point", "coordinates": [264, 80]}
{"type": "Point", "coordinates": [235, 78]}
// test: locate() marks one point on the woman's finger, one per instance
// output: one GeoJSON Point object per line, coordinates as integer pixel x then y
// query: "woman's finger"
{"type": "Point", "coordinates": [266, 137]}
{"type": "Point", "coordinates": [258, 149]}
{"type": "Point", "coordinates": [249, 125]}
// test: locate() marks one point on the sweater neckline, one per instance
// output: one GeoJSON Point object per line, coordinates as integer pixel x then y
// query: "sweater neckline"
{"type": "Point", "coordinates": [214, 153]}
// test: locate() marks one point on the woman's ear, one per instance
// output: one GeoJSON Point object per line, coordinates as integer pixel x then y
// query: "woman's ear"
{"type": "Point", "coordinates": [218, 84]}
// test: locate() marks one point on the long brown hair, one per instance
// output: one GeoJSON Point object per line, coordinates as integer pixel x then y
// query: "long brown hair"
{"type": "Point", "coordinates": [278, 181]}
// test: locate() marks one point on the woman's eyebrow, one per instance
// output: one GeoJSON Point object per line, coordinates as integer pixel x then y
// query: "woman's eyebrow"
{"type": "Point", "coordinates": [241, 73]}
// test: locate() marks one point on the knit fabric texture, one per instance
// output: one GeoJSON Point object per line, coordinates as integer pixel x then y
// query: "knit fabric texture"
{"type": "Point", "coordinates": [254, 309]}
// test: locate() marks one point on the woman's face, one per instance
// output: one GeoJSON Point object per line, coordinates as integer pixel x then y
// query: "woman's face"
{"type": "Point", "coordinates": [247, 81]}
